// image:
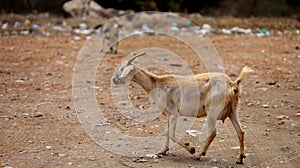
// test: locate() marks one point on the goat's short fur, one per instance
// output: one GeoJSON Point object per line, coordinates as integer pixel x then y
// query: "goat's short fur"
{"type": "Point", "coordinates": [176, 88]}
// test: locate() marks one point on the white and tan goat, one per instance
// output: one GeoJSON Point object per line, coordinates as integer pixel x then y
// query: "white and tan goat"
{"type": "Point", "coordinates": [214, 89]}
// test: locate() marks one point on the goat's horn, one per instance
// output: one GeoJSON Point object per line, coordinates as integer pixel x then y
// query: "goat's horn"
{"type": "Point", "coordinates": [133, 58]}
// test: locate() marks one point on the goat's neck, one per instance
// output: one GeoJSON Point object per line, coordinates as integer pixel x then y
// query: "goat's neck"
{"type": "Point", "coordinates": [145, 79]}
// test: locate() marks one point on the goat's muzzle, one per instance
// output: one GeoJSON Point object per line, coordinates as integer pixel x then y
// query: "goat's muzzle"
{"type": "Point", "coordinates": [117, 80]}
{"type": "Point", "coordinates": [235, 90]}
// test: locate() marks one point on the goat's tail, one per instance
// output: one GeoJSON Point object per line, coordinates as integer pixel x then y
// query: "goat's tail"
{"type": "Point", "coordinates": [246, 70]}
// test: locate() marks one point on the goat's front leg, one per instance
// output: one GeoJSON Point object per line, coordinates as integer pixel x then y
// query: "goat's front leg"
{"type": "Point", "coordinates": [240, 132]}
{"type": "Point", "coordinates": [173, 122]}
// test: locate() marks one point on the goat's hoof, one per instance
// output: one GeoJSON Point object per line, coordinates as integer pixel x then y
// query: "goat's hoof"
{"type": "Point", "coordinates": [192, 150]}
{"type": "Point", "coordinates": [187, 144]}
{"type": "Point", "coordinates": [240, 160]}
{"type": "Point", "coordinates": [163, 153]}
{"type": "Point", "coordinates": [203, 153]}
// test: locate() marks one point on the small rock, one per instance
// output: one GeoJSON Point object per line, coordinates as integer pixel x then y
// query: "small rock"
{"type": "Point", "coordinates": [91, 158]}
{"type": "Point", "coordinates": [49, 147]}
{"type": "Point", "coordinates": [235, 148]}
{"type": "Point", "coordinates": [25, 115]}
{"type": "Point", "coordinates": [141, 107]}
{"type": "Point", "coordinates": [162, 59]}
{"type": "Point", "coordinates": [7, 167]}
{"type": "Point", "coordinates": [272, 83]}
{"type": "Point", "coordinates": [139, 160]}
{"type": "Point", "coordinates": [62, 155]}
{"type": "Point", "coordinates": [38, 114]}
{"type": "Point", "coordinates": [285, 148]}
{"type": "Point", "coordinates": [281, 117]}
{"type": "Point", "coordinates": [176, 65]}
{"type": "Point", "coordinates": [265, 106]}
{"type": "Point", "coordinates": [68, 107]}
{"type": "Point", "coordinates": [249, 104]}
{"type": "Point", "coordinates": [214, 161]}
{"type": "Point", "coordinates": [123, 103]}
{"type": "Point", "coordinates": [154, 156]}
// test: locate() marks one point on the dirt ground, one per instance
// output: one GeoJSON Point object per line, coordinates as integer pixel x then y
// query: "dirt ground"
{"type": "Point", "coordinates": [39, 125]}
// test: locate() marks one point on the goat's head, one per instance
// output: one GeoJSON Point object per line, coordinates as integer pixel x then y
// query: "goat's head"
{"type": "Point", "coordinates": [126, 71]}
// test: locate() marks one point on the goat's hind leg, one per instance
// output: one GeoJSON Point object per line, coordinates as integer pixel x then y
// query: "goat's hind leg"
{"type": "Point", "coordinates": [240, 132]}
{"type": "Point", "coordinates": [206, 145]}
{"type": "Point", "coordinates": [173, 122]}
{"type": "Point", "coordinates": [212, 133]}
{"type": "Point", "coordinates": [166, 147]}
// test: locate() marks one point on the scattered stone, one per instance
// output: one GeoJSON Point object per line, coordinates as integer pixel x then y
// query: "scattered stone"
{"type": "Point", "coordinates": [49, 147]}
{"type": "Point", "coordinates": [285, 148]}
{"type": "Point", "coordinates": [235, 148]}
{"type": "Point", "coordinates": [281, 117]}
{"type": "Point", "coordinates": [7, 167]}
{"type": "Point", "coordinates": [214, 161]}
{"type": "Point", "coordinates": [154, 156]}
{"type": "Point", "coordinates": [265, 106]}
{"type": "Point", "coordinates": [91, 158]}
{"type": "Point", "coordinates": [272, 83]}
{"type": "Point", "coordinates": [25, 115]}
{"type": "Point", "coordinates": [139, 160]}
{"type": "Point", "coordinates": [123, 103]}
{"type": "Point", "coordinates": [193, 132]}
{"type": "Point", "coordinates": [249, 104]}
{"type": "Point", "coordinates": [162, 59]}
{"type": "Point", "coordinates": [176, 65]}
{"type": "Point", "coordinates": [62, 155]}
{"type": "Point", "coordinates": [38, 114]}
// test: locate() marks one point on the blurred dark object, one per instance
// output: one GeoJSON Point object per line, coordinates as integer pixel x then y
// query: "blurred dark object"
{"type": "Point", "coordinates": [239, 8]}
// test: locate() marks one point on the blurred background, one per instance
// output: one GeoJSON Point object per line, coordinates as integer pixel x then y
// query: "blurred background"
{"type": "Point", "coordinates": [215, 8]}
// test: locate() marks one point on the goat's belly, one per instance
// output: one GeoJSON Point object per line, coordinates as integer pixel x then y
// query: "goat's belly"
{"type": "Point", "coordinates": [201, 114]}
{"type": "Point", "coordinates": [193, 113]}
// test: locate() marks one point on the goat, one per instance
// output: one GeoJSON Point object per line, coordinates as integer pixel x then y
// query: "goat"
{"type": "Point", "coordinates": [110, 35]}
{"type": "Point", "coordinates": [206, 82]}
{"type": "Point", "coordinates": [78, 8]}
